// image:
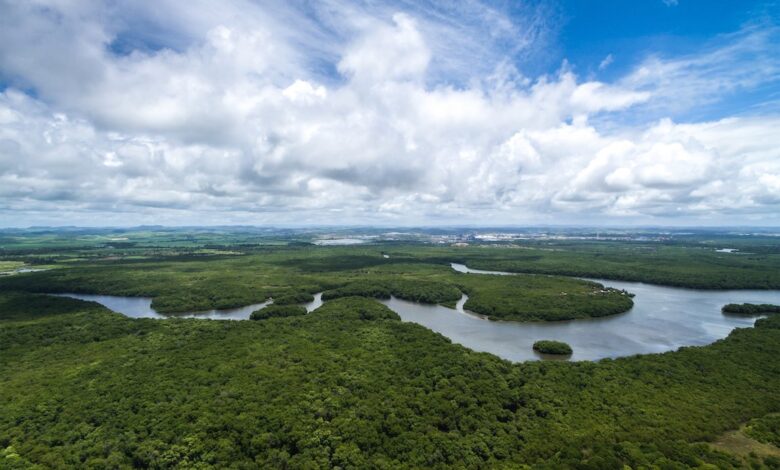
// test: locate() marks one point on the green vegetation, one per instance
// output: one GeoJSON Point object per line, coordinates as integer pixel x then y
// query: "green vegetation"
{"type": "Point", "coordinates": [682, 259]}
{"type": "Point", "coordinates": [765, 429]}
{"type": "Point", "coordinates": [295, 298]}
{"type": "Point", "coordinates": [206, 269]}
{"type": "Point", "coordinates": [769, 322]}
{"type": "Point", "coordinates": [349, 385]}
{"type": "Point", "coordinates": [429, 292]}
{"type": "Point", "coordinates": [10, 266]}
{"type": "Point", "coordinates": [178, 285]}
{"type": "Point", "coordinates": [355, 308]}
{"type": "Point", "coordinates": [363, 289]}
{"type": "Point", "coordinates": [289, 275]}
{"type": "Point", "coordinates": [278, 311]}
{"type": "Point", "coordinates": [754, 454]}
{"type": "Point", "coordinates": [751, 309]}
{"type": "Point", "coordinates": [655, 263]}
{"type": "Point", "coordinates": [552, 347]}
{"type": "Point", "coordinates": [540, 298]}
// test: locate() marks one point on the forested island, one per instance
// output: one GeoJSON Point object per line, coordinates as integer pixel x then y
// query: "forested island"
{"type": "Point", "coordinates": [751, 309]}
{"type": "Point", "coordinates": [558, 348]}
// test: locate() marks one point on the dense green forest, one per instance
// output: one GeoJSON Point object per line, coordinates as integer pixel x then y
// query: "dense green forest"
{"type": "Point", "coordinates": [686, 259]}
{"type": "Point", "coordinates": [294, 298]}
{"type": "Point", "coordinates": [657, 264]}
{"type": "Point", "coordinates": [530, 297]}
{"type": "Point", "coordinates": [278, 311]}
{"type": "Point", "coordinates": [349, 385]}
{"type": "Point", "coordinates": [429, 292]}
{"type": "Point", "coordinates": [291, 275]}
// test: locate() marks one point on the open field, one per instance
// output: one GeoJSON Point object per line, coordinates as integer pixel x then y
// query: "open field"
{"type": "Point", "coordinates": [9, 266]}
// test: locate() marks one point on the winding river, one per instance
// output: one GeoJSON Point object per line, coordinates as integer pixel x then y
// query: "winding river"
{"type": "Point", "coordinates": [662, 319]}
{"type": "Point", "coordinates": [141, 307]}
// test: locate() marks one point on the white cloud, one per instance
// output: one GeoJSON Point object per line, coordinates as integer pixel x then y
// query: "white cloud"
{"type": "Point", "coordinates": [740, 61]}
{"type": "Point", "coordinates": [304, 92]}
{"type": "Point", "coordinates": [236, 124]}
{"type": "Point", "coordinates": [387, 52]}
{"type": "Point", "coordinates": [595, 96]}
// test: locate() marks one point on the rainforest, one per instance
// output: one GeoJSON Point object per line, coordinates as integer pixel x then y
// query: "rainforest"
{"type": "Point", "coordinates": [349, 384]}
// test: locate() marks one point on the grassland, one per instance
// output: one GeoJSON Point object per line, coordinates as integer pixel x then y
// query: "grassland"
{"type": "Point", "coordinates": [10, 266]}
{"type": "Point", "coordinates": [754, 450]}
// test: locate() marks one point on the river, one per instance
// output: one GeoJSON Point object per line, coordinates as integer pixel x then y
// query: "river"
{"type": "Point", "coordinates": [662, 319]}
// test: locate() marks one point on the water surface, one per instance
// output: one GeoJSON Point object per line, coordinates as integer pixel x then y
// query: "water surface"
{"type": "Point", "coordinates": [662, 319]}
{"type": "Point", "coordinates": [141, 307]}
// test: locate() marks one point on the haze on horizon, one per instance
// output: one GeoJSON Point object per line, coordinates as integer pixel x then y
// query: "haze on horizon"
{"type": "Point", "coordinates": [393, 113]}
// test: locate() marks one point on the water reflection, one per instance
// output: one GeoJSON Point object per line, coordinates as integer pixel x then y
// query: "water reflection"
{"type": "Point", "coordinates": [314, 304]}
{"type": "Point", "coordinates": [662, 319]}
{"type": "Point", "coordinates": [141, 307]}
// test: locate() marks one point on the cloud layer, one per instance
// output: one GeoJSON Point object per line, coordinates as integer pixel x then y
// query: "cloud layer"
{"type": "Point", "coordinates": [363, 113]}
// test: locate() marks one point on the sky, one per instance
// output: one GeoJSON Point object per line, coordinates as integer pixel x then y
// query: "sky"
{"type": "Point", "coordinates": [294, 112]}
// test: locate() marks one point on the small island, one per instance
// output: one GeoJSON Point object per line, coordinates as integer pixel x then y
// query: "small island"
{"type": "Point", "coordinates": [750, 309]}
{"type": "Point", "coordinates": [553, 347]}
{"type": "Point", "coordinates": [278, 311]}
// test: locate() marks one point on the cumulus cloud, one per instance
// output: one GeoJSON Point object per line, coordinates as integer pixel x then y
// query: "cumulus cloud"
{"type": "Point", "coordinates": [388, 52]}
{"type": "Point", "coordinates": [227, 117]}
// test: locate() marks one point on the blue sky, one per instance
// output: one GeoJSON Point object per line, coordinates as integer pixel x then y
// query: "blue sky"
{"type": "Point", "coordinates": [389, 112]}
{"type": "Point", "coordinates": [628, 32]}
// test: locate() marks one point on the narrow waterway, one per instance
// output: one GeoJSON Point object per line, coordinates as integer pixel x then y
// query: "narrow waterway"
{"type": "Point", "coordinates": [141, 307]}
